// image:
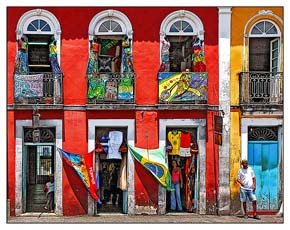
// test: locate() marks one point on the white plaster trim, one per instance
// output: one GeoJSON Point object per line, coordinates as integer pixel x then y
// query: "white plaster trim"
{"type": "Point", "coordinates": [45, 15]}
{"type": "Point", "coordinates": [116, 15]}
{"type": "Point", "coordinates": [224, 105]}
{"type": "Point", "coordinates": [246, 122]}
{"type": "Point", "coordinates": [31, 15]}
{"type": "Point", "coordinates": [193, 123]}
{"type": "Point", "coordinates": [19, 164]}
{"type": "Point", "coordinates": [264, 35]}
{"type": "Point", "coordinates": [185, 15]}
{"type": "Point", "coordinates": [130, 124]}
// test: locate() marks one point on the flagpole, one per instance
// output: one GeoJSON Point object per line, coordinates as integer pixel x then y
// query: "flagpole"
{"type": "Point", "coordinates": [146, 134]}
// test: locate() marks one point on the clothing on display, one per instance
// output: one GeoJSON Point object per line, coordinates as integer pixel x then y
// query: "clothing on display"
{"type": "Point", "coordinates": [185, 140]}
{"type": "Point", "coordinates": [174, 139]}
{"type": "Point", "coordinates": [115, 141]}
{"type": "Point", "coordinates": [122, 178]}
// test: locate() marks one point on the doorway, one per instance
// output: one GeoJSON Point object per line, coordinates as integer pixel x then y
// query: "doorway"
{"type": "Point", "coordinates": [111, 164]}
{"type": "Point", "coordinates": [181, 146]}
{"type": "Point", "coordinates": [263, 157]}
{"type": "Point", "coordinates": [39, 166]}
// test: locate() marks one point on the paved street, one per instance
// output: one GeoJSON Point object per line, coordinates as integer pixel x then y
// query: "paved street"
{"type": "Point", "coordinates": [115, 218]}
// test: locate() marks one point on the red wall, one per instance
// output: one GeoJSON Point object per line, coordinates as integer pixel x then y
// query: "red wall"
{"type": "Point", "coordinates": [146, 23]}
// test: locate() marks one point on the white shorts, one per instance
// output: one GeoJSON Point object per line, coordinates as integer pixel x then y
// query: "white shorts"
{"type": "Point", "coordinates": [184, 152]}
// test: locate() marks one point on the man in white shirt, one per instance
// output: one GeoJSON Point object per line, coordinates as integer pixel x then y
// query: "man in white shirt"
{"type": "Point", "coordinates": [247, 180]}
{"type": "Point", "coordinates": [49, 188]}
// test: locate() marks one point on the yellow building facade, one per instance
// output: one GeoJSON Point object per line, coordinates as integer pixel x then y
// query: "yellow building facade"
{"type": "Point", "coordinates": [248, 22]}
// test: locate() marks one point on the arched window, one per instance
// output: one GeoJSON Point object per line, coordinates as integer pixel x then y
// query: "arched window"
{"type": "Point", "coordinates": [110, 65]}
{"type": "Point", "coordinates": [264, 47]}
{"type": "Point", "coordinates": [181, 34]}
{"type": "Point", "coordinates": [40, 29]}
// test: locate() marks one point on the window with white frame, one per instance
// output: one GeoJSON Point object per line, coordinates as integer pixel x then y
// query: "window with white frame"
{"type": "Point", "coordinates": [181, 41]}
{"type": "Point", "coordinates": [110, 35]}
{"type": "Point", "coordinates": [264, 47]}
{"type": "Point", "coordinates": [38, 37]}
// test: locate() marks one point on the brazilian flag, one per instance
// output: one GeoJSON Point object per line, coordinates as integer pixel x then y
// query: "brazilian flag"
{"type": "Point", "coordinates": [154, 161]}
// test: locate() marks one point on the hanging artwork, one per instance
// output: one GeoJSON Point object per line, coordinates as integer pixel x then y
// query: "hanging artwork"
{"type": "Point", "coordinates": [92, 67]}
{"type": "Point", "coordinates": [127, 62]}
{"type": "Point", "coordinates": [109, 46]}
{"type": "Point", "coordinates": [53, 56]}
{"type": "Point", "coordinates": [111, 90]}
{"type": "Point", "coordinates": [165, 45]}
{"type": "Point", "coordinates": [105, 64]}
{"type": "Point", "coordinates": [125, 88]}
{"type": "Point", "coordinates": [198, 56]}
{"type": "Point", "coordinates": [28, 86]}
{"type": "Point", "coordinates": [184, 86]}
{"type": "Point", "coordinates": [96, 88]}
{"type": "Point", "coordinates": [21, 62]}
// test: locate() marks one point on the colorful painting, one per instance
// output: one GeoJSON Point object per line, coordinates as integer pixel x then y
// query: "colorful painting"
{"type": "Point", "coordinates": [183, 86]}
{"type": "Point", "coordinates": [126, 89]}
{"type": "Point", "coordinates": [109, 46]}
{"type": "Point", "coordinates": [96, 88]}
{"type": "Point", "coordinates": [105, 64]}
{"type": "Point", "coordinates": [28, 86]}
{"type": "Point", "coordinates": [111, 90]}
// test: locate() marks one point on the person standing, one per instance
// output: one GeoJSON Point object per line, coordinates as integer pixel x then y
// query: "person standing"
{"type": "Point", "coordinates": [177, 183]}
{"type": "Point", "coordinates": [49, 189]}
{"type": "Point", "coordinates": [247, 180]}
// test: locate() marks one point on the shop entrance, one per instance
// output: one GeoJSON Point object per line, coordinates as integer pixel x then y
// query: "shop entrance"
{"type": "Point", "coordinates": [38, 166]}
{"type": "Point", "coordinates": [111, 163]}
{"type": "Point", "coordinates": [181, 147]}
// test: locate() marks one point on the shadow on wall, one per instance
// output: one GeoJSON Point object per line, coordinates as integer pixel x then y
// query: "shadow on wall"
{"type": "Point", "coordinates": [146, 187]}
{"type": "Point", "coordinates": [79, 191]}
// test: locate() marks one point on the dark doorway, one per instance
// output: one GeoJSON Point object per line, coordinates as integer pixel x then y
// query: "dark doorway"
{"type": "Point", "coordinates": [187, 162]}
{"type": "Point", "coordinates": [40, 165]}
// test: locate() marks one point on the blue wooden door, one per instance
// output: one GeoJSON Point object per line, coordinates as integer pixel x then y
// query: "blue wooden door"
{"type": "Point", "coordinates": [264, 159]}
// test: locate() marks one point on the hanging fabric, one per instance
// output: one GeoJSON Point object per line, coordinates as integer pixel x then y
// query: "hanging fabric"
{"type": "Point", "coordinates": [174, 139]}
{"type": "Point", "coordinates": [165, 46]}
{"type": "Point", "coordinates": [21, 61]}
{"type": "Point", "coordinates": [92, 67]}
{"type": "Point", "coordinates": [198, 56]}
{"type": "Point", "coordinates": [53, 57]}
{"type": "Point", "coordinates": [127, 62]}
{"type": "Point", "coordinates": [154, 161]}
{"type": "Point", "coordinates": [122, 183]}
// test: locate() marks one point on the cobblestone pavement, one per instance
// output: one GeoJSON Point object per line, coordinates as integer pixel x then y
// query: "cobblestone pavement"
{"type": "Point", "coordinates": [148, 219]}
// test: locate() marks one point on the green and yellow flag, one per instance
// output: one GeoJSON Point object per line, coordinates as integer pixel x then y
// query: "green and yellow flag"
{"type": "Point", "coordinates": [154, 161]}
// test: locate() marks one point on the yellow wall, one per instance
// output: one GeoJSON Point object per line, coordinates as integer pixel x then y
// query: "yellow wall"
{"type": "Point", "coordinates": [240, 17]}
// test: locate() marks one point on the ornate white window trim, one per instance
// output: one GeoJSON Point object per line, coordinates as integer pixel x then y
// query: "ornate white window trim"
{"type": "Point", "coordinates": [182, 15]}
{"type": "Point", "coordinates": [114, 15]}
{"type": "Point", "coordinates": [265, 34]}
{"type": "Point", "coordinates": [32, 15]}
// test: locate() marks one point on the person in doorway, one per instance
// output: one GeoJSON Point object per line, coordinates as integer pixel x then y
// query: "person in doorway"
{"type": "Point", "coordinates": [247, 180]}
{"type": "Point", "coordinates": [49, 189]}
{"type": "Point", "coordinates": [177, 183]}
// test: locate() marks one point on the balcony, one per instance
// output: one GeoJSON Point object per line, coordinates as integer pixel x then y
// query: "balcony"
{"type": "Point", "coordinates": [261, 89]}
{"type": "Point", "coordinates": [38, 88]}
{"type": "Point", "coordinates": [182, 88]}
{"type": "Point", "coordinates": [111, 89]}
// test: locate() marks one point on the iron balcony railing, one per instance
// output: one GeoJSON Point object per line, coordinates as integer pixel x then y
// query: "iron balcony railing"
{"type": "Point", "coordinates": [111, 88]}
{"type": "Point", "coordinates": [182, 87]}
{"type": "Point", "coordinates": [38, 88]}
{"type": "Point", "coordinates": [261, 88]}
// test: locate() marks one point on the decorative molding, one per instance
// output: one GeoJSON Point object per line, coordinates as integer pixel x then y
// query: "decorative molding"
{"type": "Point", "coordinates": [121, 18]}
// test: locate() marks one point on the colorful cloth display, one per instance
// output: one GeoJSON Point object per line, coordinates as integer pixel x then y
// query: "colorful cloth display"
{"type": "Point", "coordinates": [96, 88]}
{"type": "Point", "coordinates": [21, 61]}
{"type": "Point", "coordinates": [83, 166]}
{"type": "Point", "coordinates": [154, 161]}
{"type": "Point", "coordinates": [125, 88]}
{"type": "Point", "coordinates": [165, 46]}
{"type": "Point", "coordinates": [174, 139]}
{"type": "Point", "coordinates": [185, 140]}
{"type": "Point", "coordinates": [198, 56]}
{"type": "Point", "coordinates": [28, 86]}
{"type": "Point", "coordinates": [127, 62]}
{"type": "Point", "coordinates": [53, 57]}
{"type": "Point", "coordinates": [92, 67]}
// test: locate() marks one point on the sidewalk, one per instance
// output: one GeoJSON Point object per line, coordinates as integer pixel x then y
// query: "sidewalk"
{"type": "Point", "coordinates": [144, 219]}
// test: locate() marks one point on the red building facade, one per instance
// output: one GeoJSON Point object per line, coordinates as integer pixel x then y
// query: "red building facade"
{"type": "Point", "coordinates": [75, 120]}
